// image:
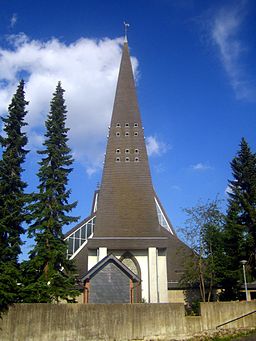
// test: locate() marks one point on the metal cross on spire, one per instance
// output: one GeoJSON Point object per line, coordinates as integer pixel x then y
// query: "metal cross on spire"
{"type": "Point", "coordinates": [126, 25]}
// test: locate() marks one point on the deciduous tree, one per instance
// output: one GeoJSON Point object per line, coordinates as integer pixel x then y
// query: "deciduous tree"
{"type": "Point", "coordinates": [203, 233]}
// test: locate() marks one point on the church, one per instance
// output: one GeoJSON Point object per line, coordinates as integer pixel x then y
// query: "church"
{"type": "Point", "coordinates": [126, 250]}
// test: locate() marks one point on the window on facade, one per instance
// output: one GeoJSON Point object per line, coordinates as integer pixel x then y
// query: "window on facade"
{"type": "Point", "coordinates": [118, 125]}
{"type": "Point", "coordinates": [127, 159]}
{"type": "Point", "coordinates": [127, 151]}
{"type": "Point", "coordinates": [77, 238]}
{"type": "Point", "coordinates": [130, 261]}
{"type": "Point", "coordinates": [136, 159]}
{"type": "Point", "coordinates": [127, 133]}
{"type": "Point", "coordinates": [135, 125]}
{"type": "Point", "coordinates": [118, 159]}
{"type": "Point", "coordinates": [126, 125]}
{"type": "Point", "coordinates": [161, 218]}
{"type": "Point", "coordinates": [135, 133]}
{"type": "Point", "coordinates": [117, 133]}
{"type": "Point", "coordinates": [136, 151]}
{"type": "Point", "coordinates": [118, 151]}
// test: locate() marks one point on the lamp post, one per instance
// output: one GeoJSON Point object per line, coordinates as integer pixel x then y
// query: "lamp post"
{"type": "Point", "coordinates": [243, 262]}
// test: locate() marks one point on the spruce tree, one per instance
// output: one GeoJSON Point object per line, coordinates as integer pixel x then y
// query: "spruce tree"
{"type": "Point", "coordinates": [48, 272]}
{"type": "Point", "coordinates": [234, 251]}
{"type": "Point", "coordinates": [12, 198]}
{"type": "Point", "coordinates": [240, 227]}
{"type": "Point", "coordinates": [243, 194]}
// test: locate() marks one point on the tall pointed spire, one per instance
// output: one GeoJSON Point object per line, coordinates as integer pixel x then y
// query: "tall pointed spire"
{"type": "Point", "coordinates": [124, 219]}
{"type": "Point", "coordinates": [126, 107]}
{"type": "Point", "coordinates": [126, 205]}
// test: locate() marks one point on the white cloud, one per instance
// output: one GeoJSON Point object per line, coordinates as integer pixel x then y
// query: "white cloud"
{"type": "Point", "coordinates": [200, 167]}
{"type": "Point", "coordinates": [91, 170]}
{"type": "Point", "coordinates": [13, 20]}
{"type": "Point", "coordinates": [155, 147]}
{"type": "Point", "coordinates": [225, 33]}
{"type": "Point", "coordinates": [176, 188]}
{"type": "Point", "coordinates": [88, 71]}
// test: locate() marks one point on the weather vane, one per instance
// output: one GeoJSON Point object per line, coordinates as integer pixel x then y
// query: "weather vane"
{"type": "Point", "coordinates": [126, 25]}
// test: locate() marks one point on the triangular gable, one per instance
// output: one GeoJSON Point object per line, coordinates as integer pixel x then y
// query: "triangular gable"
{"type": "Point", "coordinates": [104, 262]}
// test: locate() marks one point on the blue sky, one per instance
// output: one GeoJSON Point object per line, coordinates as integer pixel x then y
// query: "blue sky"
{"type": "Point", "coordinates": [195, 73]}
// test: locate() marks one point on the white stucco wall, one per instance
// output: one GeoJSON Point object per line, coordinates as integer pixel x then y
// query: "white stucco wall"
{"type": "Point", "coordinates": [153, 274]}
{"type": "Point", "coordinates": [162, 277]}
{"type": "Point", "coordinates": [142, 259]}
{"type": "Point", "coordinates": [102, 253]}
{"type": "Point", "coordinates": [92, 258]}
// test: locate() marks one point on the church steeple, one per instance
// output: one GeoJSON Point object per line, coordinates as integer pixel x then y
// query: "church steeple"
{"type": "Point", "coordinates": [126, 204]}
{"type": "Point", "coordinates": [127, 219]}
{"type": "Point", "coordinates": [126, 107]}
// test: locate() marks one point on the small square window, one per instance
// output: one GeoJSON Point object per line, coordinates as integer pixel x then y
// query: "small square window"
{"type": "Point", "coordinates": [127, 151]}
{"type": "Point", "coordinates": [127, 133]}
{"type": "Point", "coordinates": [135, 125]}
{"type": "Point", "coordinates": [118, 151]}
{"type": "Point", "coordinates": [136, 133]}
{"type": "Point", "coordinates": [136, 159]}
{"type": "Point", "coordinates": [118, 125]}
{"type": "Point", "coordinates": [127, 159]}
{"type": "Point", "coordinates": [136, 151]}
{"type": "Point", "coordinates": [118, 159]}
{"type": "Point", "coordinates": [126, 125]}
{"type": "Point", "coordinates": [117, 133]}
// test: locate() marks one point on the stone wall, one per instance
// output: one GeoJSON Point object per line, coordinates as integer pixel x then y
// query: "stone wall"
{"type": "Point", "coordinates": [94, 322]}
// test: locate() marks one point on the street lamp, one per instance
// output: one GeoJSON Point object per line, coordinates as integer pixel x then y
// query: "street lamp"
{"type": "Point", "coordinates": [244, 262]}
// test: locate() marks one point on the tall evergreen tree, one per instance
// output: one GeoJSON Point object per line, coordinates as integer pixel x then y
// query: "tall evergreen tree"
{"type": "Point", "coordinates": [49, 274]}
{"type": "Point", "coordinates": [12, 198]}
{"type": "Point", "coordinates": [240, 227]}
{"type": "Point", "coordinates": [234, 251]}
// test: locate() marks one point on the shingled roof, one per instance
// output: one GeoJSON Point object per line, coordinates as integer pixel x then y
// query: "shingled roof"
{"type": "Point", "coordinates": [126, 205]}
{"type": "Point", "coordinates": [126, 213]}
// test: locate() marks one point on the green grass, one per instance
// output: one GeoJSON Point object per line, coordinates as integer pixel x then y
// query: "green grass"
{"type": "Point", "coordinates": [233, 337]}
